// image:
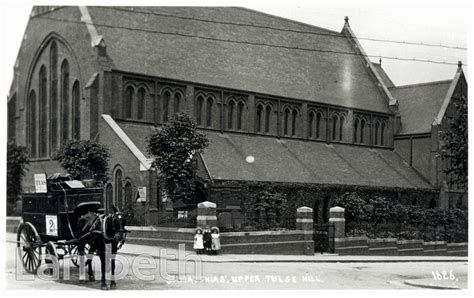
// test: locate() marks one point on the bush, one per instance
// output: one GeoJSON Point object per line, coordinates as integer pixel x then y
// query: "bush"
{"type": "Point", "coordinates": [84, 159]}
{"type": "Point", "coordinates": [17, 160]}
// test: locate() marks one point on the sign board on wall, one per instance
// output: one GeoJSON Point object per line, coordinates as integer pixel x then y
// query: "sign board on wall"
{"type": "Point", "coordinates": [40, 183]}
{"type": "Point", "coordinates": [141, 196]}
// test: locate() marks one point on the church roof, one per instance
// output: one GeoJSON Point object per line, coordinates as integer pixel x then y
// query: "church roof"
{"type": "Point", "coordinates": [295, 161]}
{"type": "Point", "coordinates": [383, 75]}
{"type": "Point", "coordinates": [419, 104]}
{"type": "Point", "coordinates": [206, 46]}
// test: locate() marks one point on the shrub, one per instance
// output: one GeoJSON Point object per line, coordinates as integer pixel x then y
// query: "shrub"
{"type": "Point", "coordinates": [17, 160]}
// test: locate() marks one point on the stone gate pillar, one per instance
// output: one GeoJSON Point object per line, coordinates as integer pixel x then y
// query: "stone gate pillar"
{"type": "Point", "coordinates": [304, 221]}
{"type": "Point", "coordinates": [206, 215]}
{"type": "Point", "coordinates": [336, 217]}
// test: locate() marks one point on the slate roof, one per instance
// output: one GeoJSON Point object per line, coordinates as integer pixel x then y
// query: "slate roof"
{"type": "Point", "coordinates": [383, 75]}
{"type": "Point", "coordinates": [419, 104]}
{"type": "Point", "coordinates": [296, 161]}
{"type": "Point", "coordinates": [316, 76]}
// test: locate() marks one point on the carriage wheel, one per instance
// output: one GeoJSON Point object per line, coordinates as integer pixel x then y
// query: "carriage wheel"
{"type": "Point", "coordinates": [29, 244]}
{"type": "Point", "coordinates": [75, 254]}
{"type": "Point", "coordinates": [51, 252]}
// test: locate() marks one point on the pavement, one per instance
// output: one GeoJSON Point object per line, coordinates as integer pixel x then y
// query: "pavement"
{"type": "Point", "coordinates": [132, 250]}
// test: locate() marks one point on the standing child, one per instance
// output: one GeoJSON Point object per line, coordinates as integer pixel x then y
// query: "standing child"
{"type": "Point", "coordinates": [216, 242]}
{"type": "Point", "coordinates": [207, 240]}
{"type": "Point", "coordinates": [198, 242]}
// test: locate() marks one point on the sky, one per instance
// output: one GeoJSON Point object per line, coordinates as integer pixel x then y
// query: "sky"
{"type": "Point", "coordinates": [436, 23]}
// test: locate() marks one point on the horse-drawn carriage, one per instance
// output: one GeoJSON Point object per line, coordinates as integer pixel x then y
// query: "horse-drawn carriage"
{"type": "Point", "coordinates": [50, 220]}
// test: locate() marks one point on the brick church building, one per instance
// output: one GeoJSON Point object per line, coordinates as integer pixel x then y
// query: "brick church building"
{"type": "Point", "coordinates": [280, 101]}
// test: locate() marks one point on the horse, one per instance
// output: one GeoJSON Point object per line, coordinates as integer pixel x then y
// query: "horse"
{"type": "Point", "coordinates": [98, 231]}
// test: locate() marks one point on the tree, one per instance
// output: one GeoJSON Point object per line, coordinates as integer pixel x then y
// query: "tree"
{"type": "Point", "coordinates": [173, 148]}
{"type": "Point", "coordinates": [83, 159]}
{"type": "Point", "coordinates": [455, 146]}
{"type": "Point", "coordinates": [17, 160]}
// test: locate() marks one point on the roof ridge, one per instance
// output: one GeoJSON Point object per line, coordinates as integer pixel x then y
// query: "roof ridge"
{"type": "Point", "coordinates": [286, 19]}
{"type": "Point", "coordinates": [422, 84]}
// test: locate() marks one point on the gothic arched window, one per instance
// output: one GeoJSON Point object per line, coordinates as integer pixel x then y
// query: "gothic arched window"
{"type": "Point", "coordinates": [128, 196]}
{"type": "Point", "coordinates": [53, 65]}
{"type": "Point", "coordinates": [43, 113]}
{"type": "Point", "coordinates": [177, 99]}
{"type": "Point", "coordinates": [362, 129]}
{"type": "Point", "coordinates": [268, 114]}
{"type": "Point", "coordinates": [240, 115]}
{"type": "Point", "coordinates": [76, 111]}
{"type": "Point", "coordinates": [341, 127]}
{"type": "Point", "coordinates": [65, 99]}
{"type": "Point", "coordinates": [109, 197]}
{"type": "Point", "coordinates": [376, 133]}
{"type": "Point", "coordinates": [209, 112]}
{"type": "Point", "coordinates": [285, 121]}
{"type": "Point", "coordinates": [318, 125]}
{"type": "Point", "coordinates": [356, 129]}
{"type": "Point", "coordinates": [310, 124]}
{"type": "Point", "coordinates": [141, 103]}
{"type": "Point", "coordinates": [118, 189]}
{"type": "Point", "coordinates": [382, 134]}
{"type": "Point", "coordinates": [293, 122]}
{"type": "Point", "coordinates": [334, 127]}
{"type": "Point", "coordinates": [166, 102]}
{"type": "Point", "coordinates": [230, 114]}
{"type": "Point", "coordinates": [32, 123]}
{"type": "Point", "coordinates": [259, 118]}
{"type": "Point", "coordinates": [199, 104]}
{"type": "Point", "coordinates": [127, 112]}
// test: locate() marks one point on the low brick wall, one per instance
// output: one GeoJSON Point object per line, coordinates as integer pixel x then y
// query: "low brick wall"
{"type": "Point", "coordinates": [264, 242]}
{"type": "Point", "coordinates": [392, 247]}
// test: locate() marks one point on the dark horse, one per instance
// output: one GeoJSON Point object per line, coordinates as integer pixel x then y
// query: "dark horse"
{"type": "Point", "coordinates": [101, 232]}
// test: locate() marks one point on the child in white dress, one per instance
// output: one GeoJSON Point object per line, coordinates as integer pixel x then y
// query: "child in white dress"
{"type": "Point", "coordinates": [216, 242]}
{"type": "Point", "coordinates": [198, 242]}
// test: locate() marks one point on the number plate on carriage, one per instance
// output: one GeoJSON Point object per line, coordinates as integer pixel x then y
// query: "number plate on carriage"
{"type": "Point", "coordinates": [51, 225]}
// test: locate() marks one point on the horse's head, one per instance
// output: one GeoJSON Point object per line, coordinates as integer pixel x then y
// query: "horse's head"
{"type": "Point", "coordinates": [118, 226]}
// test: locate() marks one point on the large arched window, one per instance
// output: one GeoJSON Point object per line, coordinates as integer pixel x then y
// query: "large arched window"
{"type": "Point", "coordinates": [230, 114]}
{"type": "Point", "coordinates": [118, 189]}
{"type": "Point", "coordinates": [240, 115]}
{"type": "Point", "coordinates": [286, 118]}
{"type": "Point", "coordinates": [209, 112]}
{"type": "Point", "coordinates": [53, 65]}
{"type": "Point", "coordinates": [293, 122]}
{"type": "Point", "coordinates": [128, 107]}
{"type": "Point", "coordinates": [141, 104]}
{"type": "Point", "coordinates": [199, 104]}
{"type": "Point", "coordinates": [65, 99]}
{"type": "Point", "coordinates": [76, 111]}
{"type": "Point", "coordinates": [166, 102]}
{"type": "Point", "coordinates": [376, 133]}
{"type": "Point", "coordinates": [43, 113]}
{"type": "Point", "coordinates": [268, 114]}
{"type": "Point", "coordinates": [310, 124]}
{"type": "Point", "coordinates": [259, 118]}
{"type": "Point", "coordinates": [176, 102]}
{"type": "Point", "coordinates": [33, 134]}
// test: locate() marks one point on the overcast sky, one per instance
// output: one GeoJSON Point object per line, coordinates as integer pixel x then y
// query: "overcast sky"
{"type": "Point", "coordinates": [435, 23]}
